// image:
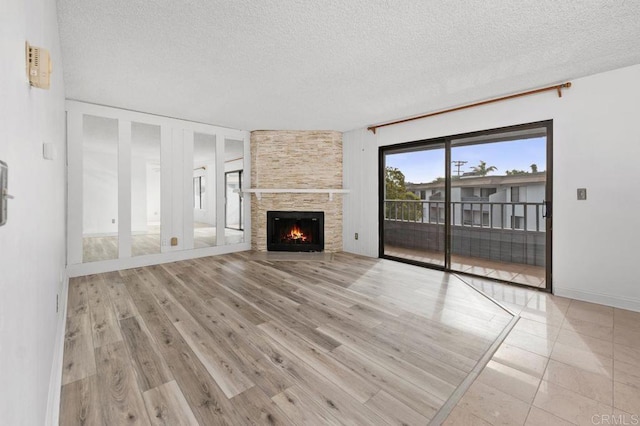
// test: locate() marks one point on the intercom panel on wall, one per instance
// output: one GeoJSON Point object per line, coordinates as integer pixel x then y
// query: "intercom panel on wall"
{"type": "Point", "coordinates": [3, 192]}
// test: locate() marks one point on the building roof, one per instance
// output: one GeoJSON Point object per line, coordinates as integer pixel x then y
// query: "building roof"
{"type": "Point", "coordinates": [484, 181]}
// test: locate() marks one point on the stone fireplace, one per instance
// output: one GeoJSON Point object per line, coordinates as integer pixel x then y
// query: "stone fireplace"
{"type": "Point", "coordinates": [303, 160]}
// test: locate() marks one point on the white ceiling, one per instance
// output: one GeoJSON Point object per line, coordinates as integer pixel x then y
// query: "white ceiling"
{"type": "Point", "coordinates": [340, 65]}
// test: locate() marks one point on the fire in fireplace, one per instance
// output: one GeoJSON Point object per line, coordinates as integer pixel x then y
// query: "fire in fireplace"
{"type": "Point", "coordinates": [295, 231]}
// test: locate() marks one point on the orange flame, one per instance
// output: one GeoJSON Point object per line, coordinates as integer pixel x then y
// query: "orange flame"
{"type": "Point", "coordinates": [296, 234]}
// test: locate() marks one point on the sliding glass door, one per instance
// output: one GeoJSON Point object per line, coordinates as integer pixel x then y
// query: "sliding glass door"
{"type": "Point", "coordinates": [476, 203]}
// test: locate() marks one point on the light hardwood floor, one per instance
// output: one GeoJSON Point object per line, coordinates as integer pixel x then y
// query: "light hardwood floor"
{"type": "Point", "coordinates": [237, 340]}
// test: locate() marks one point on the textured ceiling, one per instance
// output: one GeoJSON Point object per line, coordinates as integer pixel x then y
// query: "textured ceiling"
{"type": "Point", "coordinates": [340, 65]}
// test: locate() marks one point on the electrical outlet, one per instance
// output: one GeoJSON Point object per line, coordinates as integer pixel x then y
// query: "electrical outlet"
{"type": "Point", "coordinates": [582, 194]}
{"type": "Point", "coordinates": [356, 236]}
{"type": "Point", "coordinates": [165, 242]}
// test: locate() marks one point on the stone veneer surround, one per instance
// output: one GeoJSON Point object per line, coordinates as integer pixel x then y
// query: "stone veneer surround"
{"type": "Point", "coordinates": [291, 160]}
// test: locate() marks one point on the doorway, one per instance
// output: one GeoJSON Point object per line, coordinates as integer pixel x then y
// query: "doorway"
{"type": "Point", "coordinates": [476, 203]}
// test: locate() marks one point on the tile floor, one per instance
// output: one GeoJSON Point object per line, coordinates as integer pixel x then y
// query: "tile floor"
{"type": "Point", "coordinates": [565, 362]}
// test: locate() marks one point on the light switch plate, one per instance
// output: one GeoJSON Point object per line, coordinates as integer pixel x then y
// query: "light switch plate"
{"type": "Point", "coordinates": [582, 194]}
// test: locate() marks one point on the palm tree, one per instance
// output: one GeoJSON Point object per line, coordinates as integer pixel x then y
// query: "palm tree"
{"type": "Point", "coordinates": [482, 169]}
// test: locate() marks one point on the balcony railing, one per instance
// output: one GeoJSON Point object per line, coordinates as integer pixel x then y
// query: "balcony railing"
{"type": "Point", "coordinates": [516, 216]}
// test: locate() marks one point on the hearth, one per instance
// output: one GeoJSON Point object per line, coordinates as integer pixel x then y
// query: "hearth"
{"type": "Point", "coordinates": [295, 231]}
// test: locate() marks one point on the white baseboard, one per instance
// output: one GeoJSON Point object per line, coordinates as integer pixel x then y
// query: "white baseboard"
{"type": "Point", "coordinates": [55, 381]}
{"type": "Point", "coordinates": [628, 303]}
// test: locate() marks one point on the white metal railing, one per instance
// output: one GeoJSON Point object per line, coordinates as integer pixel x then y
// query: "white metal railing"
{"type": "Point", "coordinates": [481, 214]}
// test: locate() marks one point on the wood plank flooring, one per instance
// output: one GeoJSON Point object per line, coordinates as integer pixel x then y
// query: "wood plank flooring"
{"type": "Point", "coordinates": [236, 339]}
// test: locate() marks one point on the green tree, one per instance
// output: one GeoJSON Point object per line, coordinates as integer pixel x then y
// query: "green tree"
{"type": "Point", "coordinates": [534, 168]}
{"type": "Point", "coordinates": [516, 172]}
{"type": "Point", "coordinates": [396, 190]}
{"type": "Point", "coordinates": [482, 169]}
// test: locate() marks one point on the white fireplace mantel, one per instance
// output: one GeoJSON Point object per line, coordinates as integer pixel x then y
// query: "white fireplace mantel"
{"type": "Point", "coordinates": [330, 191]}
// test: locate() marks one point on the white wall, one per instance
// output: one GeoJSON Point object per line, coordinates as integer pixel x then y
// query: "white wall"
{"type": "Point", "coordinates": [32, 243]}
{"type": "Point", "coordinates": [595, 242]}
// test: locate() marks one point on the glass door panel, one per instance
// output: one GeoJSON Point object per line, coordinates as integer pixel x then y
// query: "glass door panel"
{"type": "Point", "coordinates": [99, 188]}
{"type": "Point", "coordinates": [414, 204]}
{"type": "Point", "coordinates": [204, 190]}
{"type": "Point", "coordinates": [145, 189]}
{"type": "Point", "coordinates": [497, 206]}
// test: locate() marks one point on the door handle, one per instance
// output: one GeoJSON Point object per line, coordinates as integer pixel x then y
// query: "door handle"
{"type": "Point", "coordinates": [547, 209]}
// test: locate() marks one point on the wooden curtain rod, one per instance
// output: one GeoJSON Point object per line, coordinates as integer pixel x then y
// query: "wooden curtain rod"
{"type": "Point", "coordinates": [557, 87]}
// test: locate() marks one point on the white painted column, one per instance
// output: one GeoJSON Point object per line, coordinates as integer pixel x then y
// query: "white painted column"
{"type": "Point", "coordinates": [74, 187]}
{"type": "Point", "coordinates": [246, 184]}
{"type": "Point", "coordinates": [177, 188]}
{"type": "Point", "coordinates": [166, 145]}
{"type": "Point", "coordinates": [220, 190]}
{"type": "Point", "coordinates": [124, 189]}
{"type": "Point", "coordinates": [187, 185]}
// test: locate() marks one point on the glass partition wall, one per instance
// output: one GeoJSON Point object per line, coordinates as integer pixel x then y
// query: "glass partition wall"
{"type": "Point", "coordinates": [147, 187]}
{"type": "Point", "coordinates": [477, 203]}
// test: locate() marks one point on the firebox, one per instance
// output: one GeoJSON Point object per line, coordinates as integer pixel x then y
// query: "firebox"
{"type": "Point", "coordinates": [295, 231]}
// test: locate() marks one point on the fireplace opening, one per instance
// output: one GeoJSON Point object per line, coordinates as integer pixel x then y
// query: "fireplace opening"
{"type": "Point", "coordinates": [295, 231]}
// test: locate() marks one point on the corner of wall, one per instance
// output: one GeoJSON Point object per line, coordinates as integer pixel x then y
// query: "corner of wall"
{"type": "Point", "coordinates": [55, 389]}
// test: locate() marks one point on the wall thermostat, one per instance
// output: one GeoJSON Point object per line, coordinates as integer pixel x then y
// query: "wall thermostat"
{"type": "Point", "coordinates": [38, 66]}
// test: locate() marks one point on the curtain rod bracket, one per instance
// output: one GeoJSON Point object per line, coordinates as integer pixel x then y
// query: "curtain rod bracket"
{"type": "Point", "coordinates": [563, 86]}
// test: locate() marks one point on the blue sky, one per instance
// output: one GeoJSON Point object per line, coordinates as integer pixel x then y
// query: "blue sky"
{"type": "Point", "coordinates": [425, 166]}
